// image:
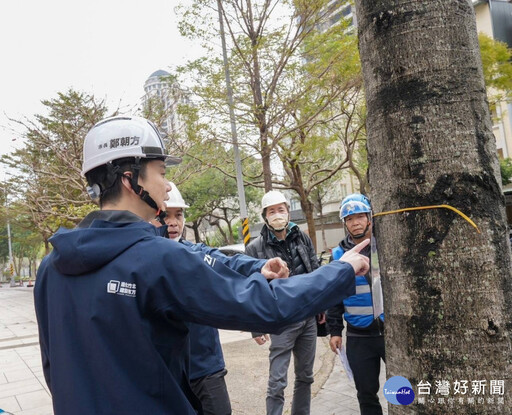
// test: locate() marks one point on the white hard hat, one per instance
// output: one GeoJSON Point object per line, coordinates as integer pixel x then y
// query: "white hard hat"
{"type": "Point", "coordinates": [273, 197]}
{"type": "Point", "coordinates": [123, 136]}
{"type": "Point", "coordinates": [175, 198]}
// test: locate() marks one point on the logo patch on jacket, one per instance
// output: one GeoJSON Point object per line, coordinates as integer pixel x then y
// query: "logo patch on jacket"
{"type": "Point", "coordinates": [122, 288]}
{"type": "Point", "coordinates": [209, 260]}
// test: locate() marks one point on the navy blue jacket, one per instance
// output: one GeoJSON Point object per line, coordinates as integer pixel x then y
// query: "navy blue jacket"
{"type": "Point", "coordinates": [206, 355]}
{"type": "Point", "coordinates": [112, 301]}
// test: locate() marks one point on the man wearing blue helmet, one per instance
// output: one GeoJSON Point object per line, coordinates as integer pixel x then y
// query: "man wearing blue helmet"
{"type": "Point", "coordinates": [365, 334]}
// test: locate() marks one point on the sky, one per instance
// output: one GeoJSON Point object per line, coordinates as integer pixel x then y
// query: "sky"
{"type": "Point", "coordinates": [106, 48]}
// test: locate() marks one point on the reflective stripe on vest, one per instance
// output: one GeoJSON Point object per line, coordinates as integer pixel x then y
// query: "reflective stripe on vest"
{"type": "Point", "coordinates": [358, 307]}
{"type": "Point", "coordinates": [362, 289]}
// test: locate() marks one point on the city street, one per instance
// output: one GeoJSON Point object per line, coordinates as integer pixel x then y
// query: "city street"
{"type": "Point", "coordinates": [23, 390]}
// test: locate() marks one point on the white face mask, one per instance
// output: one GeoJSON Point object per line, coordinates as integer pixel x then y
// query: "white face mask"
{"type": "Point", "coordinates": [278, 221]}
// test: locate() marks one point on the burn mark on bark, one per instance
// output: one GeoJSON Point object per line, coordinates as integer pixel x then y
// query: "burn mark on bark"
{"type": "Point", "coordinates": [492, 329]}
{"type": "Point", "coordinates": [383, 20]}
{"type": "Point", "coordinates": [486, 163]}
{"type": "Point", "coordinates": [428, 303]}
{"type": "Point", "coordinates": [463, 191]}
{"type": "Point", "coordinates": [410, 93]}
{"type": "Point", "coordinates": [417, 119]}
{"type": "Point", "coordinates": [416, 151]}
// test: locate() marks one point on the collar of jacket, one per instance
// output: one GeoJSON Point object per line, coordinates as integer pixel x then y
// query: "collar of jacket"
{"type": "Point", "coordinates": [291, 229]}
{"type": "Point", "coordinates": [124, 216]}
{"type": "Point", "coordinates": [348, 243]}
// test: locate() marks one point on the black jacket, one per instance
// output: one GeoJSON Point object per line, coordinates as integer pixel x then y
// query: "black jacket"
{"type": "Point", "coordinates": [296, 249]}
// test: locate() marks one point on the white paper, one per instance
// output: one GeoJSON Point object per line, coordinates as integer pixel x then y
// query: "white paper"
{"type": "Point", "coordinates": [377, 298]}
{"type": "Point", "coordinates": [344, 361]}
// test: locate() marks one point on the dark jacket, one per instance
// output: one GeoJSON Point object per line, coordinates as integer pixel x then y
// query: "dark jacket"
{"type": "Point", "coordinates": [112, 301]}
{"type": "Point", "coordinates": [206, 357]}
{"type": "Point", "coordinates": [357, 309]}
{"type": "Point", "coordinates": [296, 249]}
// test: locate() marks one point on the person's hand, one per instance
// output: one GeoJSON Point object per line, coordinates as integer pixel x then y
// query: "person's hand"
{"type": "Point", "coordinates": [320, 318]}
{"type": "Point", "coordinates": [275, 268]}
{"type": "Point", "coordinates": [262, 339]}
{"type": "Point", "coordinates": [360, 263]}
{"type": "Point", "coordinates": [335, 343]}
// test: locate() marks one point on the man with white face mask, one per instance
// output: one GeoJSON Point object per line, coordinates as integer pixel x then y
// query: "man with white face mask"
{"type": "Point", "coordinates": [282, 238]}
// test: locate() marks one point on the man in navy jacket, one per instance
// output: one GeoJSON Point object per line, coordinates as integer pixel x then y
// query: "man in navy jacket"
{"type": "Point", "coordinates": [113, 298]}
{"type": "Point", "coordinates": [207, 366]}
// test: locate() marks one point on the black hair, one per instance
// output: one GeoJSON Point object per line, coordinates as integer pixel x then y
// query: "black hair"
{"type": "Point", "coordinates": [108, 177]}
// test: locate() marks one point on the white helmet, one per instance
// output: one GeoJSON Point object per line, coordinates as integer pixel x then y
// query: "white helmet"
{"type": "Point", "coordinates": [123, 136]}
{"type": "Point", "coordinates": [175, 198]}
{"type": "Point", "coordinates": [273, 197]}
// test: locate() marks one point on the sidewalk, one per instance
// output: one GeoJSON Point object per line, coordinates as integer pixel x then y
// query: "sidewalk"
{"type": "Point", "coordinates": [23, 390]}
{"type": "Point", "coordinates": [22, 387]}
{"type": "Point", "coordinates": [247, 363]}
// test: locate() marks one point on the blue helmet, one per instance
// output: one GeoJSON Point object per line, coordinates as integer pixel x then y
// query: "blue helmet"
{"type": "Point", "coordinates": [354, 204]}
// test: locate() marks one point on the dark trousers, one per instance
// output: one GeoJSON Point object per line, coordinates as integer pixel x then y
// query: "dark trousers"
{"type": "Point", "coordinates": [299, 339]}
{"type": "Point", "coordinates": [364, 354]}
{"type": "Point", "coordinates": [213, 393]}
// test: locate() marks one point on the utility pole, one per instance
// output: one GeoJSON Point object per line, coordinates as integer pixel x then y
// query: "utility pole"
{"type": "Point", "coordinates": [11, 263]}
{"type": "Point", "coordinates": [234, 138]}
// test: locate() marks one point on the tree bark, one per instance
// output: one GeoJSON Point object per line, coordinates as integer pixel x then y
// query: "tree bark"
{"type": "Point", "coordinates": [195, 228]}
{"type": "Point", "coordinates": [46, 244]}
{"type": "Point", "coordinates": [447, 288]}
{"type": "Point", "coordinates": [308, 209]}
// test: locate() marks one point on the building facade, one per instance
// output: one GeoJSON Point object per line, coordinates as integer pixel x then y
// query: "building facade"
{"type": "Point", "coordinates": [164, 94]}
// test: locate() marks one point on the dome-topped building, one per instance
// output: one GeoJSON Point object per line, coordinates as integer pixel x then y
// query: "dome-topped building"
{"type": "Point", "coordinates": [161, 91]}
{"type": "Point", "coordinates": [155, 81]}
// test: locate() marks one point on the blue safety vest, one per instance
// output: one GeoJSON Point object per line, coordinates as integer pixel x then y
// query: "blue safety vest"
{"type": "Point", "coordinates": [358, 307]}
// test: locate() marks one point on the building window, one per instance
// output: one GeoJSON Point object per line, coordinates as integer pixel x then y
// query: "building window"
{"type": "Point", "coordinates": [294, 204]}
{"type": "Point", "coordinates": [343, 190]}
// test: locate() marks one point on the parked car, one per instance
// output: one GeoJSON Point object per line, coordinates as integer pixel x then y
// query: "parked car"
{"type": "Point", "coordinates": [231, 250]}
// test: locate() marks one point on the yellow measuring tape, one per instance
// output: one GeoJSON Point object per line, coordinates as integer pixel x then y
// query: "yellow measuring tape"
{"type": "Point", "coordinates": [390, 212]}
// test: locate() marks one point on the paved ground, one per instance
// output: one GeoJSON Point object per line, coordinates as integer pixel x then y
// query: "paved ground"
{"type": "Point", "coordinates": [23, 390]}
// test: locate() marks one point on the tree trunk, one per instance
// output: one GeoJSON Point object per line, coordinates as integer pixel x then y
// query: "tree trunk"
{"type": "Point", "coordinates": [231, 238]}
{"type": "Point", "coordinates": [320, 207]}
{"type": "Point", "coordinates": [221, 231]}
{"type": "Point", "coordinates": [18, 262]}
{"type": "Point", "coordinates": [46, 245]}
{"type": "Point", "coordinates": [307, 208]}
{"type": "Point", "coordinates": [447, 288]}
{"type": "Point", "coordinates": [195, 228]}
{"type": "Point", "coordinates": [322, 228]}
{"type": "Point", "coordinates": [265, 162]}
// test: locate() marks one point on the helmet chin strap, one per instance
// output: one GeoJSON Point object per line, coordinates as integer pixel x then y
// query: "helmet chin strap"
{"type": "Point", "coordinates": [143, 194]}
{"type": "Point", "coordinates": [160, 216]}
